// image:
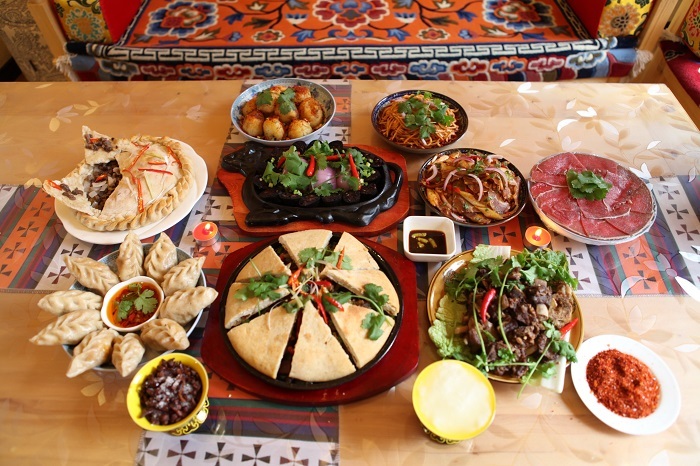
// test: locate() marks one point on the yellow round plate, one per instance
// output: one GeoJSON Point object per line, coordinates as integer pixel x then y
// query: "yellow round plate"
{"type": "Point", "coordinates": [437, 290]}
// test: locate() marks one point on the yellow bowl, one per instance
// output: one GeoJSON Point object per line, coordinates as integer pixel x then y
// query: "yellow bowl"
{"type": "Point", "coordinates": [186, 425]}
{"type": "Point", "coordinates": [454, 401]}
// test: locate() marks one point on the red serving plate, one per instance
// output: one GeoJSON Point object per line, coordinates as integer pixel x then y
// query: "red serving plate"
{"type": "Point", "coordinates": [397, 364]}
{"type": "Point", "coordinates": [382, 223]}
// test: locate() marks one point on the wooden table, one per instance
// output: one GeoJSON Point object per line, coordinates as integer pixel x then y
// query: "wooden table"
{"type": "Point", "coordinates": [49, 419]}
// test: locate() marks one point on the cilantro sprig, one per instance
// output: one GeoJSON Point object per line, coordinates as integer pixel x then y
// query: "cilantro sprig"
{"type": "Point", "coordinates": [422, 112]}
{"type": "Point", "coordinates": [264, 287]}
{"type": "Point", "coordinates": [587, 185]}
{"type": "Point", "coordinates": [139, 299]}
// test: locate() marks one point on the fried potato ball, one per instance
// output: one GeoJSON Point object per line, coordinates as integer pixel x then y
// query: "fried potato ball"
{"type": "Point", "coordinates": [267, 99]}
{"type": "Point", "coordinates": [273, 129]}
{"type": "Point", "coordinates": [311, 111]}
{"type": "Point", "coordinates": [299, 128]}
{"type": "Point", "coordinates": [249, 107]}
{"type": "Point", "coordinates": [288, 117]}
{"type": "Point", "coordinates": [301, 93]}
{"type": "Point", "coordinates": [253, 123]}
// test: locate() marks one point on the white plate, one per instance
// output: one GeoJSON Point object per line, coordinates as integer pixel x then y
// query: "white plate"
{"type": "Point", "coordinates": [669, 405]}
{"type": "Point", "coordinates": [80, 231]}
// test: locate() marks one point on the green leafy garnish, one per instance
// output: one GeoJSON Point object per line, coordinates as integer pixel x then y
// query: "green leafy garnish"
{"type": "Point", "coordinates": [587, 185]}
{"type": "Point", "coordinates": [310, 256]}
{"type": "Point", "coordinates": [423, 113]}
{"type": "Point", "coordinates": [264, 287]}
{"type": "Point", "coordinates": [264, 98]}
{"type": "Point", "coordinates": [286, 102]}
{"type": "Point", "coordinates": [139, 299]}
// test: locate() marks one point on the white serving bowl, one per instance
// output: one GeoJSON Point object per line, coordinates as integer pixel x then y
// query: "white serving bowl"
{"type": "Point", "coordinates": [426, 223]}
{"type": "Point", "coordinates": [116, 289]}
{"type": "Point", "coordinates": [320, 93]}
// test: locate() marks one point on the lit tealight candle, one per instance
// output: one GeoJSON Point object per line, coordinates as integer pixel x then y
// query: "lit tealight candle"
{"type": "Point", "coordinates": [537, 238]}
{"type": "Point", "coordinates": [206, 233]}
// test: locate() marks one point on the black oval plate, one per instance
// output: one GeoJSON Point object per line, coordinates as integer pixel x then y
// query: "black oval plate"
{"type": "Point", "coordinates": [250, 161]}
{"type": "Point", "coordinates": [284, 381]}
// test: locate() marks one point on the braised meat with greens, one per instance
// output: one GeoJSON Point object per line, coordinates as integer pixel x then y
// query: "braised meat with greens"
{"type": "Point", "coordinates": [508, 317]}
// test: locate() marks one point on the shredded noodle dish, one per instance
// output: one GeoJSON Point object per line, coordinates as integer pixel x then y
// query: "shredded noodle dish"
{"type": "Point", "coordinates": [418, 121]}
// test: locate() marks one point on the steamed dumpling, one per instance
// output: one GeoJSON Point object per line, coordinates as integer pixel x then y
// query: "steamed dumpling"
{"type": "Point", "coordinates": [164, 335]}
{"type": "Point", "coordinates": [130, 257]}
{"type": "Point", "coordinates": [161, 258]}
{"type": "Point", "coordinates": [127, 353]}
{"type": "Point", "coordinates": [183, 276]}
{"type": "Point", "coordinates": [69, 329]}
{"type": "Point", "coordinates": [65, 301]}
{"type": "Point", "coordinates": [182, 306]}
{"type": "Point", "coordinates": [97, 352]}
{"type": "Point", "coordinates": [91, 273]}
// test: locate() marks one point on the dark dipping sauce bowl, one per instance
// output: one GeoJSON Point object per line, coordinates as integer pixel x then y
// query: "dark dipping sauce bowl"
{"type": "Point", "coordinates": [183, 405]}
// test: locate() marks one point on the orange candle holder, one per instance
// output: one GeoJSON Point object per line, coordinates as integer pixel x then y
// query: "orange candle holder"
{"type": "Point", "coordinates": [536, 238]}
{"type": "Point", "coordinates": [206, 233]}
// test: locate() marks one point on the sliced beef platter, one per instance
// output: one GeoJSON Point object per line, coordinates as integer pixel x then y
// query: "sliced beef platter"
{"type": "Point", "coordinates": [627, 209]}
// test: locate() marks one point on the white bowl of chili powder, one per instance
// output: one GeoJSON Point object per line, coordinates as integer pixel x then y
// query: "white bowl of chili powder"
{"type": "Point", "coordinates": [626, 385]}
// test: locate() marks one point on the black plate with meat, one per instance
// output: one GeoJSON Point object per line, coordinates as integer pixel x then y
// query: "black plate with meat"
{"type": "Point", "coordinates": [276, 205]}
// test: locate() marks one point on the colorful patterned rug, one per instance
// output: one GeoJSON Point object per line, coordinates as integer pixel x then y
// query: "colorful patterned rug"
{"type": "Point", "coordinates": [534, 40]}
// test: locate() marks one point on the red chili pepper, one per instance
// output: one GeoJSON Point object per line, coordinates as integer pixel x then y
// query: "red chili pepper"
{"type": "Point", "coordinates": [55, 185]}
{"type": "Point", "coordinates": [488, 297]}
{"type": "Point", "coordinates": [101, 177]}
{"type": "Point", "coordinates": [157, 163]}
{"type": "Point", "coordinates": [340, 259]}
{"type": "Point", "coordinates": [139, 191]}
{"type": "Point", "coordinates": [165, 172]}
{"type": "Point", "coordinates": [281, 161]}
{"type": "Point", "coordinates": [172, 154]}
{"type": "Point", "coordinates": [321, 308]}
{"type": "Point", "coordinates": [353, 167]}
{"type": "Point", "coordinates": [312, 167]}
{"type": "Point", "coordinates": [332, 301]}
{"type": "Point", "coordinates": [567, 328]}
{"type": "Point", "coordinates": [324, 283]}
{"type": "Point", "coordinates": [294, 279]}
{"type": "Point", "coordinates": [138, 156]}
{"type": "Point", "coordinates": [333, 158]}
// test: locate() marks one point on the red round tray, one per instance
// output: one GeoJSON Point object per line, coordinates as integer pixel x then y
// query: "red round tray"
{"type": "Point", "coordinates": [399, 362]}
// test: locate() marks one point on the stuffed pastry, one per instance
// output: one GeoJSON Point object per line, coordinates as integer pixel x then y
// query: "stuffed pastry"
{"type": "Point", "coordinates": [127, 353]}
{"type": "Point", "coordinates": [164, 335]}
{"type": "Point", "coordinates": [65, 301]}
{"type": "Point", "coordinates": [69, 329]}
{"type": "Point", "coordinates": [184, 305]}
{"type": "Point", "coordinates": [161, 258]}
{"type": "Point", "coordinates": [183, 276]}
{"type": "Point", "coordinates": [91, 273]}
{"type": "Point", "coordinates": [125, 184]}
{"type": "Point", "coordinates": [130, 257]}
{"type": "Point", "coordinates": [97, 352]}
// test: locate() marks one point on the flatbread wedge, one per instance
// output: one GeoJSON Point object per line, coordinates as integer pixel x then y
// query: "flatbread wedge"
{"type": "Point", "coordinates": [318, 355]}
{"type": "Point", "coordinates": [237, 310]}
{"type": "Point", "coordinates": [262, 341]}
{"type": "Point", "coordinates": [266, 261]}
{"type": "Point", "coordinates": [358, 254]}
{"type": "Point", "coordinates": [348, 323]}
{"type": "Point", "coordinates": [296, 242]}
{"type": "Point", "coordinates": [125, 184]}
{"type": "Point", "coordinates": [355, 281]}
